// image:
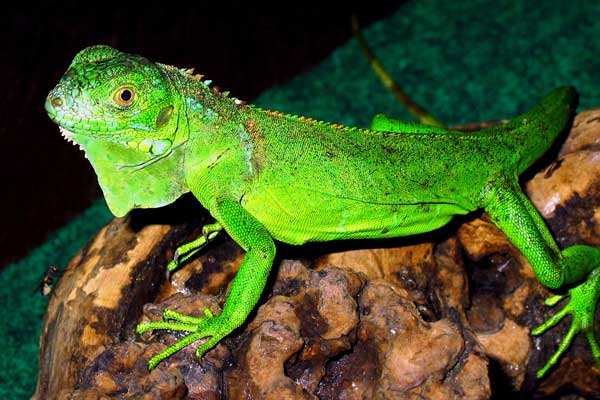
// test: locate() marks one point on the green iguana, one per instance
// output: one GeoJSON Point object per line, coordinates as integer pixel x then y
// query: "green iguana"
{"type": "Point", "coordinates": [154, 132]}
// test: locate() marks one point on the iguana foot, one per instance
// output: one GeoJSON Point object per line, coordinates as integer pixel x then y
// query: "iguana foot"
{"type": "Point", "coordinates": [210, 326]}
{"type": "Point", "coordinates": [187, 250]}
{"type": "Point", "coordinates": [582, 307]}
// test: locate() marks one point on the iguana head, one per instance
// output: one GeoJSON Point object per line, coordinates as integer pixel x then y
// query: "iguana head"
{"type": "Point", "coordinates": [127, 115]}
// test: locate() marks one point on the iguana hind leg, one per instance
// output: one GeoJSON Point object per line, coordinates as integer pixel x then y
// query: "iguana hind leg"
{"type": "Point", "coordinates": [516, 216]}
{"type": "Point", "coordinates": [582, 308]}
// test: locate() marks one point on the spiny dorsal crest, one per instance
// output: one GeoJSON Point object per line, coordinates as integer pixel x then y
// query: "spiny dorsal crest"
{"type": "Point", "coordinates": [196, 77]}
{"type": "Point", "coordinates": [189, 74]}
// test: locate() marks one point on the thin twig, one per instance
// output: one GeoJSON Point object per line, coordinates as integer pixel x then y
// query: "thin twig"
{"type": "Point", "coordinates": [414, 108]}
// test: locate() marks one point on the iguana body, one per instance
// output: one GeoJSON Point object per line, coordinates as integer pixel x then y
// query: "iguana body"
{"type": "Point", "coordinates": [153, 132]}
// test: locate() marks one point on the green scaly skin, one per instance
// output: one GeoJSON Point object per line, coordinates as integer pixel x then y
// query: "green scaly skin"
{"type": "Point", "coordinates": [153, 132]}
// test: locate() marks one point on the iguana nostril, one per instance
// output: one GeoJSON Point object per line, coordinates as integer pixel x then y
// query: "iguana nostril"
{"type": "Point", "coordinates": [57, 101]}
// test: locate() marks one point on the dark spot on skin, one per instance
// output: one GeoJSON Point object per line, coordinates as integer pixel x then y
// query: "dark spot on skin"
{"type": "Point", "coordinates": [164, 116]}
{"type": "Point", "coordinates": [263, 254]}
{"type": "Point", "coordinates": [258, 143]}
{"type": "Point", "coordinates": [211, 166]}
{"type": "Point", "coordinates": [384, 231]}
{"type": "Point", "coordinates": [329, 154]}
{"type": "Point", "coordinates": [389, 150]}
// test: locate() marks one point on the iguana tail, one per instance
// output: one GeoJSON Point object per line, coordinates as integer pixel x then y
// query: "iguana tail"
{"type": "Point", "coordinates": [531, 134]}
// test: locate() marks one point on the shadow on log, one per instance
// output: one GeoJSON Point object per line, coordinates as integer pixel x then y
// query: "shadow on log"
{"type": "Point", "coordinates": [445, 315]}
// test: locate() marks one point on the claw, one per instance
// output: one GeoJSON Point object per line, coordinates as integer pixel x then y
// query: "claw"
{"type": "Point", "coordinates": [173, 265]}
{"type": "Point", "coordinates": [169, 351]}
{"type": "Point", "coordinates": [562, 347]}
{"type": "Point", "coordinates": [204, 347]}
{"type": "Point", "coordinates": [208, 327]}
{"type": "Point", "coordinates": [582, 308]}
{"type": "Point", "coordinates": [176, 316]}
{"type": "Point", "coordinates": [187, 250]}
{"type": "Point", "coordinates": [552, 301]}
{"type": "Point", "coordinates": [555, 319]}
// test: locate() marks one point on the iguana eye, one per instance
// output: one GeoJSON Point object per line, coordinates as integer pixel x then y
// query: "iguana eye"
{"type": "Point", "coordinates": [124, 96]}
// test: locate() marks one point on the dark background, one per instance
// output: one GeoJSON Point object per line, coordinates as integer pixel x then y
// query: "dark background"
{"type": "Point", "coordinates": [46, 181]}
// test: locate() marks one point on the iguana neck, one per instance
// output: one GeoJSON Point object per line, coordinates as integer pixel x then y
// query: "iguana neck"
{"type": "Point", "coordinates": [205, 107]}
{"type": "Point", "coordinates": [218, 137]}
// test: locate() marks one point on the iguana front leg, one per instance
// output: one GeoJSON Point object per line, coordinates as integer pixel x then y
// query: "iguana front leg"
{"type": "Point", "coordinates": [243, 295]}
{"type": "Point", "coordinates": [516, 216]}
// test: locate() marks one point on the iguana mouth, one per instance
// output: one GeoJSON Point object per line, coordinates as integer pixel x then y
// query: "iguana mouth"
{"type": "Point", "coordinates": [67, 134]}
{"type": "Point", "coordinates": [54, 116]}
{"type": "Point", "coordinates": [70, 137]}
{"type": "Point", "coordinates": [71, 126]}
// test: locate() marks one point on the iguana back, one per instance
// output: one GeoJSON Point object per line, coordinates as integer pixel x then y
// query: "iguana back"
{"type": "Point", "coordinates": [363, 183]}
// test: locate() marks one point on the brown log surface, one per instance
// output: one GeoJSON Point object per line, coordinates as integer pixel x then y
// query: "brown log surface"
{"type": "Point", "coordinates": [445, 315]}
